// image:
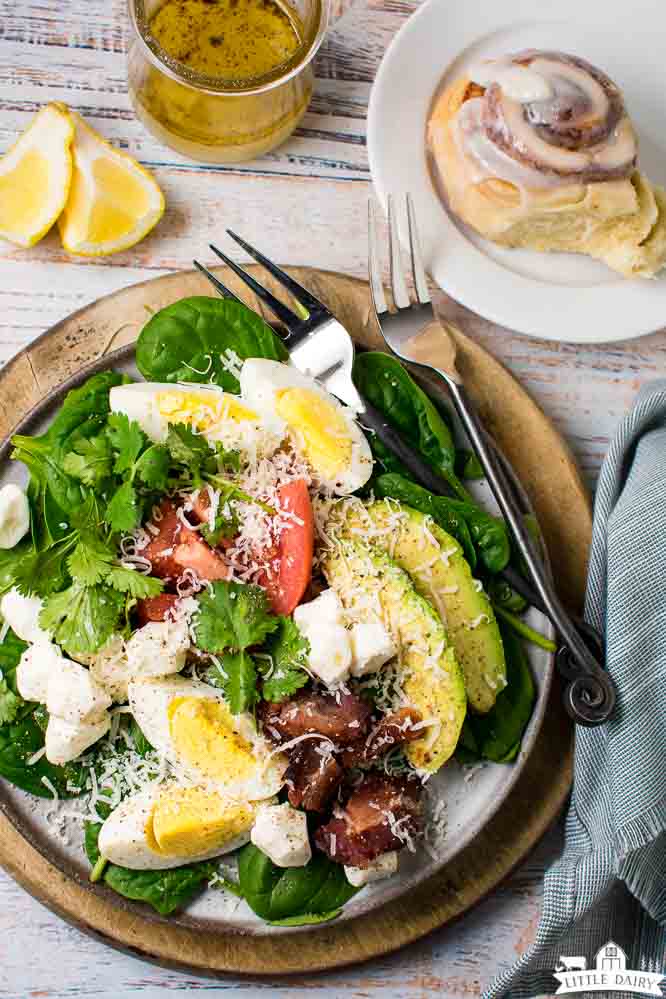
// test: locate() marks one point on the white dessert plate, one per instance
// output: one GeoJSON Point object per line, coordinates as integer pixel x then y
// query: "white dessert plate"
{"type": "Point", "coordinates": [556, 296]}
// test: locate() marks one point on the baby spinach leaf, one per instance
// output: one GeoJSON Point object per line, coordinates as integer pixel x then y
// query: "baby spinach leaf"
{"type": "Point", "coordinates": [19, 741]}
{"type": "Point", "coordinates": [307, 919]}
{"type": "Point", "coordinates": [405, 491]}
{"type": "Point", "coordinates": [232, 616]}
{"type": "Point", "coordinates": [284, 673]}
{"type": "Point", "coordinates": [187, 341]}
{"type": "Point", "coordinates": [89, 401]}
{"type": "Point", "coordinates": [467, 465]}
{"type": "Point", "coordinates": [496, 735]}
{"type": "Point", "coordinates": [293, 893]}
{"type": "Point", "coordinates": [387, 385]}
{"type": "Point", "coordinates": [479, 533]}
{"type": "Point", "coordinates": [165, 891]}
{"type": "Point", "coordinates": [22, 735]}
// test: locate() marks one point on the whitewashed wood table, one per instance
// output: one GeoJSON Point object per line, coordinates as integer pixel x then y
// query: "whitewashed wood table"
{"type": "Point", "coordinates": [304, 204]}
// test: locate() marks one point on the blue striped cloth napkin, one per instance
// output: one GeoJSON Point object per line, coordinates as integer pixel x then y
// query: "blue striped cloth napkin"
{"type": "Point", "coordinates": [610, 882]}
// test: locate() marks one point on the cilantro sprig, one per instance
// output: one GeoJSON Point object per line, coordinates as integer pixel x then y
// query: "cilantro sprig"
{"type": "Point", "coordinates": [283, 670]}
{"type": "Point", "coordinates": [234, 617]}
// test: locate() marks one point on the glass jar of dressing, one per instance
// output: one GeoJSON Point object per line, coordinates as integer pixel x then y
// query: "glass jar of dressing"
{"type": "Point", "coordinates": [223, 80]}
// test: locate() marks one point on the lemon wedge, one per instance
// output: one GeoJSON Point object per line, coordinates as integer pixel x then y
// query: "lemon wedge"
{"type": "Point", "coordinates": [35, 176]}
{"type": "Point", "coordinates": [113, 202]}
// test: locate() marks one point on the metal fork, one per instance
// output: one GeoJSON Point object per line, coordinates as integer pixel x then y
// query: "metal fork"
{"type": "Point", "coordinates": [414, 334]}
{"type": "Point", "coordinates": [318, 345]}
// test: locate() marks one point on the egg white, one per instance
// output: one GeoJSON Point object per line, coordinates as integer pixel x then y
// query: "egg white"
{"type": "Point", "coordinates": [123, 839]}
{"type": "Point", "coordinates": [149, 701]}
{"type": "Point", "coordinates": [210, 410]}
{"type": "Point", "coordinates": [260, 380]}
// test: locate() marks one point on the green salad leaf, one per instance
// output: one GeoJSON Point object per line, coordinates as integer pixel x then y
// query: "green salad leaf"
{"type": "Point", "coordinates": [467, 465]}
{"type": "Point", "coordinates": [388, 386]}
{"type": "Point", "coordinates": [497, 735]}
{"type": "Point", "coordinates": [479, 533]}
{"type": "Point", "coordinates": [236, 675]}
{"type": "Point", "coordinates": [284, 672]}
{"type": "Point", "coordinates": [296, 894]}
{"type": "Point", "coordinates": [22, 725]}
{"type": "Point", "coordinates": [188, 341]}
{"type": "Point", "coordinates": [82, 618]}
{"type": "Point", "coordinates": [165, 891]}
{"type": "Point", "coordinates": [232, 617]}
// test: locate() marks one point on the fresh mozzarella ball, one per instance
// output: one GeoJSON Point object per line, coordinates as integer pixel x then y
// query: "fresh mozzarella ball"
{"type": "Point", "coordinates": [37, 664]}
{"type": "Point", "coordinates": [65, 741]}
{"type": "Point", "coordinates": [171, 825]}
{"type": "Point", "coordinates": [372, 646]}
{"type": "Point", "coordinates": [189, 723]}
{"type": "Point", "coordinates": [217, 415]}
{"type": "Point", "coordinates": [330, 655]}
{"type": "Point", "coordinates": [14, 515]}
{"type": "Point", "coordinates": [157, 649]}
{"type": "Point", "coordinates": [324, 609]}
{"type": "Point", "coordinates": [22, 615]}
{"type": "Point", "coordinates": [321, 428]}
{"type": "Point", "coordinates": [281, 832]}
{"type": "Point", "coordinates": [382, 867]}
{"type": "Point", "coordinates": [73, 695]}
{"type": "Point", "coordinates": [109, 669]}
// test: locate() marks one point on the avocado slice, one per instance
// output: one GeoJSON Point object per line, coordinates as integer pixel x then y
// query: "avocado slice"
{"type": "Point", "coordinates": [368, 582]}
{"type": "Point", "coordinates": [440, 573]}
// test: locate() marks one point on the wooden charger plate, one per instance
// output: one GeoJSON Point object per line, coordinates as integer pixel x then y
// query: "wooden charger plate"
{"type": "Point", "coordinates": [547, 471]}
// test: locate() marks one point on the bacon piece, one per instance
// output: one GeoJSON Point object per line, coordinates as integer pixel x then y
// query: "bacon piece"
{"type": "Point", "coordinates": [392, 730]}
{"type": "Point", "coordinates": [340, 717]}
{"type": "Point", "coordinates": [383, 813]}
{"type": "Point", "coordinates": [313, 775]}
{"type": "Point", "coordinates": [177, 547]}
{"type": "Point", "coordinates": [155, 608]}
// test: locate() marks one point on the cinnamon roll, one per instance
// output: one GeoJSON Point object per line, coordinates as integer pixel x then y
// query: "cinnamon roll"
{"type": "Point", "coordinates": [536, 150]}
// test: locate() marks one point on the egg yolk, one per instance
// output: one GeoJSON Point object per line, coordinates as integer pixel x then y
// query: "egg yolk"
{"type": "Point", "coordinates": [202, 410]}
{"type": "Point", "coordinates": [323, 429]}
{"type": "Point", "coordinates": [187, 821]}
{"type": "Point", "coordinates": [202, 735]}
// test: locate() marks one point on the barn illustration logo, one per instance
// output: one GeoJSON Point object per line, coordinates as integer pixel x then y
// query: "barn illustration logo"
{"type": "Point", "coordinates": [609, 974]}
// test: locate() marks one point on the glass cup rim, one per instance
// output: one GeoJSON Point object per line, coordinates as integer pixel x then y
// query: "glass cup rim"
{"type": "Point", "coordinates": [221, 86]}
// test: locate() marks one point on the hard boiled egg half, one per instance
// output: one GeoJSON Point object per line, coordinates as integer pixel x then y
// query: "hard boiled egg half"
{"type": "Point", "coordinates": [169, 825]}
{"type": "Point", "coordinates": [321, 428]}
{"type": "Point", "coordinates": [217, 415]}
{"type": "Point", "coordinates": [190, 724]}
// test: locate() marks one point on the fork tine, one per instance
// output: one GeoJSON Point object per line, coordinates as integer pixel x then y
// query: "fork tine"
{"type": "Point", "coordinates": [303, 297]}
{"type": "Point", "coordinates": [374, 266]}
{"type": "Point", "coordinates": [215, 281]}
{"type": "Point", "coordinates": [418, 270]}
{"type": "Point", "coordinates": [284, 314]}
{"type": "Point", "coordinates": [398, 284]}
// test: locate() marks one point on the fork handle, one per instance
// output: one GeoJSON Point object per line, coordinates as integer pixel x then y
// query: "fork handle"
{"type": "Point", "coordinates": [371, 419]}
{"type": "Point", "coordinates": [589, 696]}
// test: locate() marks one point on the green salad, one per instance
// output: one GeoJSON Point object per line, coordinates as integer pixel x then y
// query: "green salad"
{"type": "Point", "coordinates": [238, 634]}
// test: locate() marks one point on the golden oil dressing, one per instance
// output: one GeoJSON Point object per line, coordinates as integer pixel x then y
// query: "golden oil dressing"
{"type": "Point", "coordinates": [232, 41]}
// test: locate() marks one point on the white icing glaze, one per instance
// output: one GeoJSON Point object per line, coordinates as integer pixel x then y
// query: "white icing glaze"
{"type": "Point", "coordinates": [520, 83]}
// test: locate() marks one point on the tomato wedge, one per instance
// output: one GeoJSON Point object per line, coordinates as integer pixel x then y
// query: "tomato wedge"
{"type": "Point", "coordinates": [175, 547]}
{"type": "Point", "coordinates": [294, 550]}
{"type": "Point", "coordinates": [155, 608]}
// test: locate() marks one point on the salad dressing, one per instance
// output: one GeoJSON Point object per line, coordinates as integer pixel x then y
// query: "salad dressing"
{"type": "Point", "coordinates": [222, 80]}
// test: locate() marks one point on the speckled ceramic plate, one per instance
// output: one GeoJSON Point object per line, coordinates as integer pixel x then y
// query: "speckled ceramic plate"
{"type": "Point", "coordinates": [216, 926]}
